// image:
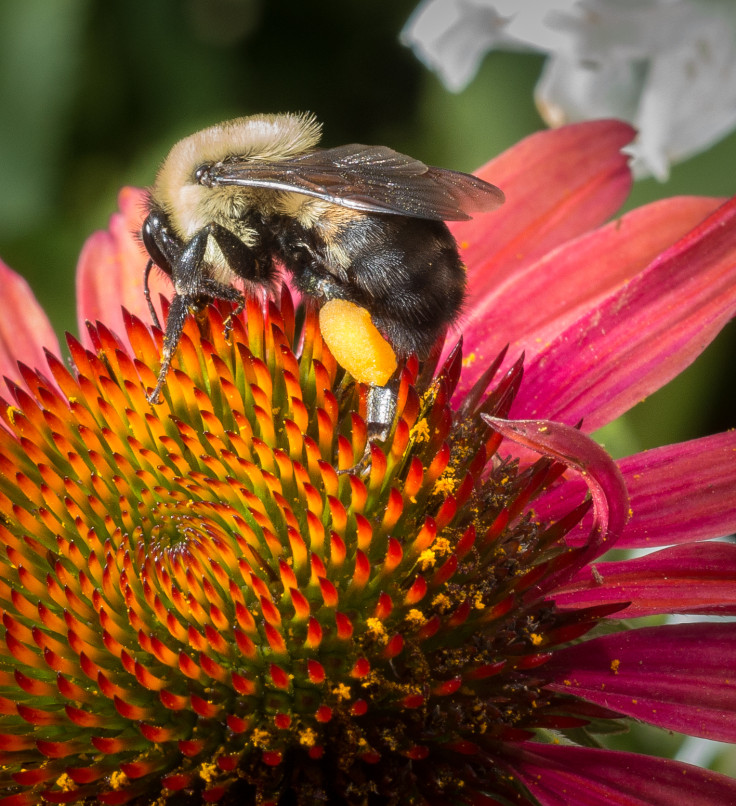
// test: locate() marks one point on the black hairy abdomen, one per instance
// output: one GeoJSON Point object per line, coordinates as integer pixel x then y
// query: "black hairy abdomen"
{"type": "Point", "coordinates": [405, 271]}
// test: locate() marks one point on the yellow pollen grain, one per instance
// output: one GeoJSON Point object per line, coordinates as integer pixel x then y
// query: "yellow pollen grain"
{"type": "Point", "coordinates": [65, 783]}
{"type": "Point", "coordinates": [12, 412]}
{"type": "Point", "coordinates": [376, 629]}
{"type": "Point", "coordinates": [390, 740]}
{"type": "Point", "coordinates": [478, 602]}
{"type": "Point", "coordinates": [420, 431]}
{"type": "Point", "coordinates": [260, 738]}
{"type": "Point", "coordinates": [342, 691]}
{"type": "Point", "coordinates": [307, 737]}
{"type": "Point", "coordinates": [469, 360]}
{"type": "Point", "coordinates": [445, 485]}
{"type": "Point", "coordinates": [441, 545]}
{"type": "Point", "coordinates": [118, 780]}
{"type": "Point", "coordinates": [536, 638]}
{"type": "Point", "coordinates": [615, 664]}
{"type": "Point", "coordinates": [441, 602]}
{"type": "Point", "coordinates": [427, 559]}
{"type": "Point", "coordinates": [207, 772]}
{"type": "Point", "coordinates": [415, 618]}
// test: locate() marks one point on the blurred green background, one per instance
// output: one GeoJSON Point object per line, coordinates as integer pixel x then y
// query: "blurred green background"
{"type": "Point", "coordinates": [94, 95]}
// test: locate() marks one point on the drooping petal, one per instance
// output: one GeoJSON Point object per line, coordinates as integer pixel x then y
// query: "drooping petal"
{"type": "Point", "coordinates": [641, 336]}
{"type": "Point", "coordinates": [559, 775]}
{"type": "Point", "coordinates": [531, 307]}
{"type": "Point", "coordinates": [558, 185]}
{"type": "Point", "coordinates": [110, 269]}
{"type": "Point", "coordinates": [679, 676]}
{"type": "Point", "coordinates": [682, 492]}
{"type": "Point", "coordinates": [698, 578]}
{"type": "Point", "coordinates": [679, 493]}
{"type": "Point", "coordinates": [24, 328]}
{"type": "Point", "coordinates": [599, 472]}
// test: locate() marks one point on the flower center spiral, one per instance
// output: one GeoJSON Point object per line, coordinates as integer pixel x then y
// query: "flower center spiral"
{"type": "Point", "coordinates": [206, 601]}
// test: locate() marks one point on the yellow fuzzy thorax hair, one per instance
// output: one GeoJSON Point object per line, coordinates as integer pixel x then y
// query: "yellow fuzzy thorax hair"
{"type": "Point", "coordinates": [259, 137]}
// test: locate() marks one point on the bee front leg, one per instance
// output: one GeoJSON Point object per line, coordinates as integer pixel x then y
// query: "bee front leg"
{"type": "Point", "coordinates": [178, 313]}
{"type": "Point", "coordinates": [193, 289]}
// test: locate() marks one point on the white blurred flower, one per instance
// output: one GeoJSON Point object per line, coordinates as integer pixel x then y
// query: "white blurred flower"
{"type": "Point", "coordinates": [667, 66]}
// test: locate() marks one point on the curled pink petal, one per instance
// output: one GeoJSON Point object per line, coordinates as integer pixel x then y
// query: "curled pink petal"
{"type": "Point", "coordinates": [679, 493]}
{"type": "Point", "coordinates": [25, 331]}
{"type": "Point", "coordinates": [698, 578]}
{"type": "Point", "coordinates": [641, 336]}
{"type": "Point", "coordinates": [110, 270]}
{"type": "Point", "coordinates": [582, 454]}
{"type": "Point", "coordinates": [559, 775]}
{"type": "Point", "coordinates": [679, 676]}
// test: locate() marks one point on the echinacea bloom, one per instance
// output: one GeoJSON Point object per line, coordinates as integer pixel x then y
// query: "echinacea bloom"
{"type": "Point", "coordinates": [206, 601]}
{"type": "Point", "coordinates": [667, 66]}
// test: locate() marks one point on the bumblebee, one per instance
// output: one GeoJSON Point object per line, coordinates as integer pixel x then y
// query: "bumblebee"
{"type": "Point", "coordinates": [365, 224]}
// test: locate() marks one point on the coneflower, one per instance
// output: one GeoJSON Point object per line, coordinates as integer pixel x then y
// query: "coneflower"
{"type": "Point", "coordinates": [232, 597]}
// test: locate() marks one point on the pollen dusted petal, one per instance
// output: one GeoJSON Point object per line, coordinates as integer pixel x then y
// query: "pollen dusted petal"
{"type": "Point", "coordinates": [529, 308]}
{"type": "Point", "coordinates": [642, 335]}
{"type": "Point", "coordinates": [696, 578]}
{"type": "Point", "coordinates": [558, 774]}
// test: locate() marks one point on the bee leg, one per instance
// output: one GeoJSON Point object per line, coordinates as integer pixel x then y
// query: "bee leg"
{"type": "Point", "coordinates": [215, 290]}
{"type": "Point", "coordinates": [380, 413]}
{"type": "Point", "coordinates": [381, 409]}
{"type": "Point", "coordinates": [147, 294]}
{"type": "Point", "coordinates": [243, 261]}
{"type": "Point", "coordinates": [178, 313]}
{"type": "Point", "coordinates": [192, 291]}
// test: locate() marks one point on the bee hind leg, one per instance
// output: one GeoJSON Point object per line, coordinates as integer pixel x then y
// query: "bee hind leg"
{"type": "Point", "coordinates": [380, 415]}
{"type": "Point", "coordinates": [381, 410]}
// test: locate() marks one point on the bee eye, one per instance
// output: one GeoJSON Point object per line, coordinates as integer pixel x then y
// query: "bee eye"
{"type": "Point", "coordinates": [202, 175]}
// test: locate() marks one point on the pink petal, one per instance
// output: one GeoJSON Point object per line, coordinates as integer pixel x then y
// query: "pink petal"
{"type": "Point", "coordinates": [597, 469]}
{"type": "Point", "coordinates": [24, 328]}
{"type": "Point", "coordinates": [558, 183]}
{"type": "Point", "coordinates": [530, 308]}
{"type": "Point", "coordinates": [559, 775]}
{"type": "Point", "coordinates": [679, 493]}
{"type": "Point", "coordinates": [697, 578]}
{"type": "Point", "coordinates": [679, 677]}
{"type": "Point", "coordinates": [641, 336]}
{"type": "Point", "coordinates": [110, 270]}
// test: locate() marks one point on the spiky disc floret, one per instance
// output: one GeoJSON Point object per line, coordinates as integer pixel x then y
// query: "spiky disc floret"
{"type": "Point", "coordinates": [200, 605]}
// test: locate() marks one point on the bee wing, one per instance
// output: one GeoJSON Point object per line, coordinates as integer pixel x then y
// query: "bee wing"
{"type": "Point", "coordinates": [368, 178]}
